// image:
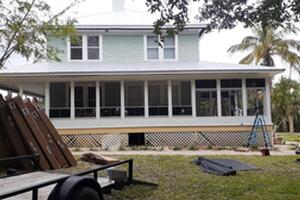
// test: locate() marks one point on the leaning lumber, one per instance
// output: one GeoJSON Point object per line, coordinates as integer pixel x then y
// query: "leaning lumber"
{"type": "Point", "coordinates": [97, 159]}
{"type": "Point", "coordinates": [27, 134]}
{"type": "Point", "coordinates": [12, 135]}
{"type": "Point", "coordinates": [44, 131]}
{"type": "Point", "coordinates": [62, 146]}
{"type": "Point", "coordinates": [43, 143]}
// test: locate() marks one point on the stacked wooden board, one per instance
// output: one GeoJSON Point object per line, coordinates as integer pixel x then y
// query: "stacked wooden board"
{"type": "Point", "coordinates": [26, 129]}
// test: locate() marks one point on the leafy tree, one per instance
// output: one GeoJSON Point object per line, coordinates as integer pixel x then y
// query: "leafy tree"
{"type": "Point", "coordinates": [285, 102]}
{"type": "Point", "coordinates": [25, 25]}
{"type": "Point", "coordinates": [226, 14]}
{"type": "Point", "coordinates": [267, 42]}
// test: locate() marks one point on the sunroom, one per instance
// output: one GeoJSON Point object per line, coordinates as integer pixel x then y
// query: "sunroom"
{"type": "Point", "coordinates": [171, 98]}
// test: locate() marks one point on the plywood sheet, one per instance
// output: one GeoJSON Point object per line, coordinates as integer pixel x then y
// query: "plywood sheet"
{"type": "Point", "coordinates": [47, 135]}
{"type": "Point", "coordinates": [43, 142]}
{"type": "Point", "coordinates": [27, 134]}
{"type": "Point", "coordinates": [62, 146]}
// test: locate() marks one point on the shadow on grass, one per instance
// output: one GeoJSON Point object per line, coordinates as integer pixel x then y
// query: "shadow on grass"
{"type": "Point", "coordinates": [136, 190]}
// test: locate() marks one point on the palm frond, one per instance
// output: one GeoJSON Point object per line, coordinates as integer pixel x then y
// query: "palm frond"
{"type": "Point", "coordinates": [295, 44]}
{"type": "Point", "coordinates": [241, 47]}
{"type": "Point", "coordinates": [287, 30]}
{"type": "Point", "coordinates": [248, 59]}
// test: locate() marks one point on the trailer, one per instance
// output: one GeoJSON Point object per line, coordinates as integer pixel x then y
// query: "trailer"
{"type": "Point", "coordinates": [53, 185]}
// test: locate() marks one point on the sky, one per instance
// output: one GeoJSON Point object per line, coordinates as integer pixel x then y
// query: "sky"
{"type": "Point", "coordinates": [213, 46]}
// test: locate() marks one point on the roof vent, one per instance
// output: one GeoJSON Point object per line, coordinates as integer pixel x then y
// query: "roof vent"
{"type": "Point", "coordinates": [118, 5]}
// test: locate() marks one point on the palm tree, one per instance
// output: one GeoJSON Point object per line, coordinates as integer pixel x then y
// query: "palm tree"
{"type": "Point", "coordinates": [268, 42]}
{"type": "Point", "coordinates": [285, 102]}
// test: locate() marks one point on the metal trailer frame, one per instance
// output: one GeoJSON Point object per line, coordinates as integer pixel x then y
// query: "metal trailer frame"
{"type": "Point", "coordinates": [34, 189]}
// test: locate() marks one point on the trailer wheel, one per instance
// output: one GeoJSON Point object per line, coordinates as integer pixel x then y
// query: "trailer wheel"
{"type": "Point", "coordinates": [85, 193]}
{"type": "Point", "coordinates": [77, 188]}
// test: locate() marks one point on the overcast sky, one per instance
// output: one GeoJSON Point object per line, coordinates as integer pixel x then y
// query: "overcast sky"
{"type": "Point", "coordinates": [213, 46]}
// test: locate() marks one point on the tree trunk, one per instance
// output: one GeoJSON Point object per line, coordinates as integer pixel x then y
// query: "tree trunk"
{"type": "Point", "coordinates": [291, 123]}
{"type": "Point", "coordinates": [284, 125]}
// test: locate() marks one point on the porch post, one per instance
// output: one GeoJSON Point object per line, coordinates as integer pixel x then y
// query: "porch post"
{"type": "Point", "coordinates": [146, 100]}
{"type": "Point", "coordinates": [244, 97]}
{"type": "Point", "coordinates": [47, 98]}
{"type": "Point", "coordinates": [193, 97]}
{"type": "Point", "coordinates": [122, 99]}
{"type": "Point", "coordinates": [268, 98]}
{"type": "Point", "coordinates": [9, 94]}
{"type": "Point", "coordinates": [72, 100]}
{"type": "Point", "coordinates": [21, 92]}
{"type": "Point", "coordinates": [170, 106]}
{"type": "Point", "coordinates": [219, 106]}
{"type": "Point", "coordinates": [97, 99]}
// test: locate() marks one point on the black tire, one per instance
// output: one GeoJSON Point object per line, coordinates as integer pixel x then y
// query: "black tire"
{"type": "Point", "coordinates": [85, 193]}
{"type": "Point", "coordinates": [77, 188]}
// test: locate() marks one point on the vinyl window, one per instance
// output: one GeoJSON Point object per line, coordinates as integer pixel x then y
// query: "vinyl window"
{"type": "Point", "coordinates": [76, 48]}
{"type": "Point", "coordinates": [156, 52]}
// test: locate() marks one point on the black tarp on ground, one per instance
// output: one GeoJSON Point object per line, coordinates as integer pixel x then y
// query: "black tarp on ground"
{"type": "Point", "coordinates": [222, 167]}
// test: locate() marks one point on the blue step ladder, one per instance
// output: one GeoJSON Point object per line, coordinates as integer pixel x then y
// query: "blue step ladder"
{"type": "Point", "coordinates": [259, 125]}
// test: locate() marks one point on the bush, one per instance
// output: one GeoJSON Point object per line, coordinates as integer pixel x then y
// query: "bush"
{"type": "Point", "coordinates": [192, 147]}
{"type": "Point", "coordinates": [177, 148]}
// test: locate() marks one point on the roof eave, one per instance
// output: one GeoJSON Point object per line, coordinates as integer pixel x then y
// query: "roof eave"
{"type": "Point", "coordinates": [134, 27]}
{"type": "Point", "coordinates": [124, 73]}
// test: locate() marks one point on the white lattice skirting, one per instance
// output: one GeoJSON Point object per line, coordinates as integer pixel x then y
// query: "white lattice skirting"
{"type": "Point", "coordinates": [181, 139]}
{"type": "Point", "coordinates": [215, 138]}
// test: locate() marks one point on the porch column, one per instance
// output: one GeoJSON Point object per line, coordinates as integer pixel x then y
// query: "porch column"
{"type": "Point", "coordinates": [72, 100]}
{"type": "Point", "coordinates": [268, 97]}
{"type": "Point", "coordinates": [219, 106]}
{"type": "Point", "coordinates": [244, 97]}
{"type": "Point", "coordinates": [193, 97]}
{"type": "Point", "coordinates": [146, 99]}
{"type": "Point", "coordinates": [47, 98]}
{"type": "Point", "coordinates": [170, 106]}
{"type": "Point", "coordinates": [122, 99]}
{"type": "Point", "coordinates": [21, 92]}
{"type": "Point", "coordinates": [97, 99]}
{"type": "Point", "coordinates": [9, 94]}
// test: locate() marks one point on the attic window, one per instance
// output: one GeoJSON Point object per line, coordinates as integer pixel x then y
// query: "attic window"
{"type": "Point", "coordinates": [155, 52]}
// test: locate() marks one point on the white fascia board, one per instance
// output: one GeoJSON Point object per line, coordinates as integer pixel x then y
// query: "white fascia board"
{"type": "Point", "coordinates": [192, 72]}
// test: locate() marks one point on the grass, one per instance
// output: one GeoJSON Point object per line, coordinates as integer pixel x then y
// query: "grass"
{"type": "Point", "coordinates": [178, 179]}
{"type": "Point", "coordinates": [295, 137]}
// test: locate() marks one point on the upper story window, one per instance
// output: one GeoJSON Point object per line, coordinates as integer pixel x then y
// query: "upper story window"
{"type": "Point", "coordinates": [76, 48]}
{"type": "Point", "coordinates": [93, 47]}
{"type": "Point", "coordinates": [85, 47]}
{"type": "Point", "coordinates": [153, 51]}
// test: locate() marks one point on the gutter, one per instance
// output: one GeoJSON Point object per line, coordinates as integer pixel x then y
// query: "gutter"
{"type": "Point", "coordinates": [117, 73]}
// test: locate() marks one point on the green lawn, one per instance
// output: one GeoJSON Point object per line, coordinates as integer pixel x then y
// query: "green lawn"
{"type": "Point", "coordinates": [179, 179]}
{"type": "Point", "coordinates": [290, 137]}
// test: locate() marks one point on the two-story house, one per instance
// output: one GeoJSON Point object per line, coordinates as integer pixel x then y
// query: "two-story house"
{"type": "Point", "coordinates": [116, 86]}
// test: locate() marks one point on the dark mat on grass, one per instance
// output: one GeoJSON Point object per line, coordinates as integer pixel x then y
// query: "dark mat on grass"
{"type": "Point", "coordinates": [223, 167]}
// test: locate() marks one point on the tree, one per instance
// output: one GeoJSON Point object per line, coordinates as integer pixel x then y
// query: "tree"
{"type": "Point", "coordinates": [285, 102]}
{"type": "Point", "coordinates": [266, 43]}
{"type": "Point", "coordinates": [24, 28]}
{"type": "Point", "coordinates": [226, 14]}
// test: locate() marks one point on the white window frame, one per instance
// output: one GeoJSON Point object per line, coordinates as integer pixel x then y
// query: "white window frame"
{"type": "Point", "coordinates": [160, 50]}
{"type": "Point", "coordinates": [85, 49]}
{"type": "Point", "coordinates": [69, 48]}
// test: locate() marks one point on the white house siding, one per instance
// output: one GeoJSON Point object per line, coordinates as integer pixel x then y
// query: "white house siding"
{"type": "Point", "coordinates": [123, 48]}
{"type": "Point", "coordinates": [60, 44]}
{"type": "Point", "coordinates": [130, 48]}
{"type": "Point", "coordinates": [188, 47]}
